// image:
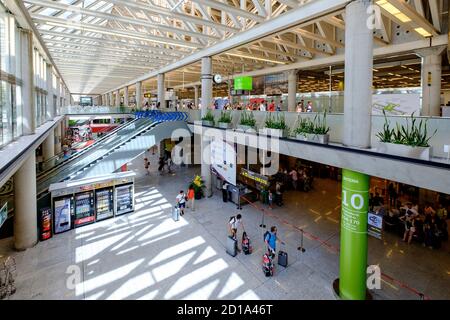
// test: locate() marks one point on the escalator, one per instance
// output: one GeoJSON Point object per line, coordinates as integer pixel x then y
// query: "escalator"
{"type": "Point", "coordinates": [103, 149]}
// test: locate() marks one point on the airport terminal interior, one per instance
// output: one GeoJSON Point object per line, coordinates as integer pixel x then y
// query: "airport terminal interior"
{"type": "Point", "coordinates": [224, 150]}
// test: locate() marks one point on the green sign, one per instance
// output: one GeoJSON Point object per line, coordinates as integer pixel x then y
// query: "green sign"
{"type": "Point", "coordinates": [353, 255]}
{"type": "Point", "coordinates": [3, 214]}
{"type": "Point", "coordinates": [243, 83]}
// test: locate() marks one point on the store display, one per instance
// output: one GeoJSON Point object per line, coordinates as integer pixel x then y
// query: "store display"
{"type": "Point", "coordinates": [63, 209]}
{"type": "Point", "coordinates": [124, 199]}
{"type": "Point", "coordinates": [104, 203]}
{"type": "Point", "coordinates": [46, 224]}
{"type": "Point", "coordinates": [84, 209]}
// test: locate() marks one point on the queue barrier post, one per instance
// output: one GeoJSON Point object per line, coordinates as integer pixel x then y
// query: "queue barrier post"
{"type": "Point", "coordinates": [301, 248]}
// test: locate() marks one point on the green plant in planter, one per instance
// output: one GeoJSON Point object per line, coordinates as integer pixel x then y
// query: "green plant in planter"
{"type": "Point", "coordinates": [247, 119]}
{"type": "Point", "coordinates": [225, 117]}
{"type": "Point", "coordinates": [276, 122]}
{"type": "Point", "coordinates": [414, 134]}
{"type": "Point", "coordinates": [317, 126]}
{"type": "Point", "coordinates": [320, 124]}
{"type": "Point", "coordinates": [209, 116]}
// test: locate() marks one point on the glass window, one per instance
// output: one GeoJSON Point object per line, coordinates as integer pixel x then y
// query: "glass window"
{"type": "Point", "coordinates": [6, 112]}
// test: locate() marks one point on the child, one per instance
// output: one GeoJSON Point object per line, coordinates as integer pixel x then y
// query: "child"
{"type": "Point", "coordinates": [147, 165]}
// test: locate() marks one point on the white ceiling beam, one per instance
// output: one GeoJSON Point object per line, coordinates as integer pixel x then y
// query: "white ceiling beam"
{"type": "Point", "coordinates": [118, 33]}
{"type": "Point", "coordinates": [230, 9]}
{"type": "Point", "coordinates": [310, 11]}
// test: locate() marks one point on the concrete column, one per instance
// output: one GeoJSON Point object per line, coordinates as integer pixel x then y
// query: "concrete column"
{"type": "Point", "coordinates": [118, 98]}
{"type": "Point", "coordinates": [358, 76]}
{"type": "Point", "coordinates": [206, 84]}
{"type": "Point", "coordinates": [29, 120]}
{"type": "Point", "coordinates": [139, 95]}
{"type": "Point", "coordinates": [431, 81]}
{"type": "Point", "coordinates": [58, 94]}
{"type": "Point", "coordinates": [58, 139]}
{"type": "Point", "coordinates": [206, 103]}
{"type": "Point", "coordinates": [196, 96]}
{"type": "Point", "coordinates": [51, 108]}
{"type": "Point", "coordinates": [25, 211]}
{"type": "Point", "coordinates": [161, 91]}
{"type": "Point", "coordinates": [48, 146]}
{"type": "Point", "coordinates": [351, 284]}
{"type": "Point", "coordinates": [292, 90]}
{"type": "Point", "coordinates": [111, 99]}
{"type": "Point", "coordinates": [126, 97]}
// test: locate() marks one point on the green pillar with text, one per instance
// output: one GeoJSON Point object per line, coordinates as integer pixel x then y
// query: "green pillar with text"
{"type": "Point", "coordinates": [353, 255]}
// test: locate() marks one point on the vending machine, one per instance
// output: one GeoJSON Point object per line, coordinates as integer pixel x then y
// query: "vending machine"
{"type": "Point", "coordinates": [104, 203]}
{"type": "Point", "coordinates": [124, 199]}
{"type": "Point", "coordinates": [84, 209]}
{"type": "Point", "coordinates": [46, 224]}
{"type": "Point", "coordinates": [63, 213]}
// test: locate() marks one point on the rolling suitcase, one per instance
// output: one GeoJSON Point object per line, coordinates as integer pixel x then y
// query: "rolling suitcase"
{"type": "Point", "coordinates": [176, 214]}
{"type": "Point", "coordinates": [283, 259]}
{"type": "Point", "coordinates": [231, 246]}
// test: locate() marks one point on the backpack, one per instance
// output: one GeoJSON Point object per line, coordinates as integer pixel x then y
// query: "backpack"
{"type": "Point", "coordinates": [232, 220]}
{"type": "Point", "coordinates": [265, 235]}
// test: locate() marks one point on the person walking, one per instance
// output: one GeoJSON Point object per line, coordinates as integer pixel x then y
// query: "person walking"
{"type": "Point", "coordinates": [270, 198]}
{"type": "Point", "coordinates": [225, 191]}
{"type": "Point", "coordinates": [191, 197]}
{"type": "Point", "coordinates": [181, 202]}
{"type": "Point", "coordinates": [271, 239]}
{"type": "Point", "coordinates": [147, 166]}
{"type": "Point", "coordinates": [233, 226]}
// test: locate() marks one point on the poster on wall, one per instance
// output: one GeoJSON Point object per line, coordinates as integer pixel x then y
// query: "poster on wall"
{"type": "Point", "coordinates": [276, 84]}
{"type": "Point", "coordinates": [375, 225]}
{"type": "Point", "coordinates": [223, 160]}
{"type": "Point", "coordinates": [403, 104]}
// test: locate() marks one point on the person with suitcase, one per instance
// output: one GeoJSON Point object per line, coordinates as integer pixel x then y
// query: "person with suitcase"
{"type": "Point", "coordinates": [271, 238]}
{"type": "Point", "coordinates": [246, 248]}
{"type": "Point", "coordinates": [233, 226]}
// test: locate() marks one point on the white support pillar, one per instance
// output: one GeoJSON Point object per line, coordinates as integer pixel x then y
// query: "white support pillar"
{"type": "Point", "coordinates": [206, 102]}
{"type": "Point", "coordinates": [58, 94]}
{"type": "Point", "coordinates": [118, 98]}
{"type": "Point", "coordinates": [431, 81]}
{"type": "Point", "coordinates": [48, 146]}
{"type": "Point", "coordinates": [358, 76]}
{"type": "Point", "coordinates": [196, 96]}
{"type": "Point", "coordinates": [111, 99]}
{"type": "Point", "coordinates": [161, 91]}
{"type": "Point", "coordinates": [126, 97]}
{"type": "Point", "coordinates": [58, 139]}
{"type": "Point", "coordinates": [29, 120]}
{"type": "Point", "coordinates": [139, 95]}
{"type": "Point", "coordinates": [51, 108]}
{"type": "Point", "coordinates": [292, 90]}
{"type": "Point", "coordinates": [206, 84]}
{"type": "Point", "coordinates": [25, 211]}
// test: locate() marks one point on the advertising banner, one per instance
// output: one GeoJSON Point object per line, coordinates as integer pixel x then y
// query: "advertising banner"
{"type": "Point", "coordinates": [375, 225]}
{"type": "Point", "coordinates": [62, 215]}
{"type": "Point", "coordinates": [403, 104]}
{"type": "Point", "coordinates": [353, 254]}
{"type": "Point", "coordinates": [243, 83]}
{"type": "Point", "coordinates": [223, 160]}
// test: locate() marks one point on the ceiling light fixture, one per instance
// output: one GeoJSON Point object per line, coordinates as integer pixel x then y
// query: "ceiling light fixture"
{"type": "Point", "coordinates": [393, 10]}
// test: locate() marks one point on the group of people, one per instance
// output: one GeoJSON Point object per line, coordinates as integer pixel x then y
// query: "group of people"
{"type": "Point", "coordinates": [298, 179]}
{"type": "Point", "coordinates": [430, 227]}
{"type": "Point", "coordinates": [183, 200]}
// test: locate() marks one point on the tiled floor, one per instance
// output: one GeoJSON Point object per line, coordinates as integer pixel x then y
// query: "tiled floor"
{"type": "Point", "coordinates": [146, 255]}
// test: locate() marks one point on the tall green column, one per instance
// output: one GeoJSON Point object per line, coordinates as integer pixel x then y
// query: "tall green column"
{"type": "Point", "coordinates": [353, 255]}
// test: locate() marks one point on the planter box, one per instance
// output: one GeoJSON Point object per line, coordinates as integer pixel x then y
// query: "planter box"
{"type": "Point", "coordinates": [207, 123]}
{"type": "Point", "coordinates": [225, 125]}
{"type": "Point", "coordinates": [244, 128]}
{"type": "Point", "coordinates": [422, 153]}
{"type": "Point", "coordinates": [274, 132]}
{"type": "Point", "coordinates": [318, 138]}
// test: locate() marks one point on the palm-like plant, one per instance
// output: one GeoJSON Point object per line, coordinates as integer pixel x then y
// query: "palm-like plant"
{"type": "Point", "coordinates": [247, 119]}
{"type": "Point", "coordinates": [225, 117]}
{"type": "Point", "coordinates": [414, 134]}
{"type": "Point", "coordinates": [277, 122]}
{"type": "Point", "coordinates": [209, 116]}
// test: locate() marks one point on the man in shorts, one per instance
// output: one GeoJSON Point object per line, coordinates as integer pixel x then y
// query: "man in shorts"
{"type": "Point", "coordinates": [181, 202]}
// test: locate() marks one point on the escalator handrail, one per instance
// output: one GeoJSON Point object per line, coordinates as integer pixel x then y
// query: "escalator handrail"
{"type": "Point", "coordinates": [145, 129]}
{"type": "Point", "coordinates": [44, 173]}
